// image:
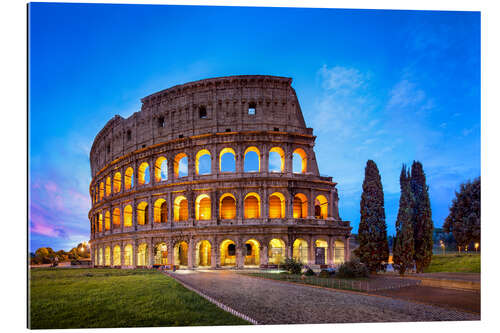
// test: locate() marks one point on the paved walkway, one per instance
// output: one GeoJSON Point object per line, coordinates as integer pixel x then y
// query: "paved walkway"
{"type": "Point", "coordinates": [274, 302]}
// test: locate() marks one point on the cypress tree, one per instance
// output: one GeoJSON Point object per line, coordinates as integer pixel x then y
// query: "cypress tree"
{"type": "Point", "coordinates": [422, 218]}
{"type": "Point", "coordinates": [372, 234]}
{"type": "Point", "coordinates": [403, 249]}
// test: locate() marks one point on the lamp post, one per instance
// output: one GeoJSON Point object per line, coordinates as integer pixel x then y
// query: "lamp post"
{"type": "Point", "coordinates": [441, 243]}
{"type": "Point", "coordinates": [476, 245]}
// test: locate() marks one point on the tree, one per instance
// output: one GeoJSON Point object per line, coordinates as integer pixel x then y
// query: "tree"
{"type": "Point", "coordinates": [464, 220]}
{"type": "Point", "coordinates": [373, 247]}
{"type": "Point", "coordinates": [422, 217]}
{"type": "Point", "coordinates": [404, 246]}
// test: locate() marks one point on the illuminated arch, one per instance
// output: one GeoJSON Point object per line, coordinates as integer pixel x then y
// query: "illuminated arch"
{"type": "Point", "coordinates": [96, 258]}
{"type": "Point", "coordinates": [161, 254]}
{"type": "Point", "coordinates": [127, 216]}
{"type": "Point", "coordinates": [177, 161]}
{"type": "Point", "coordinates": [276, 251]}
{"type": "Point", "coordinates": [227, 253]}
{"type": "Point", "coordinates": [321, 207]}
{"type": "Point", "coordinates": [143, 174]}
{"type": "Point", "coordinates": [203, 206]}
{"type": "Point", "coordinates": [101, 262]}
{"type": "Point", "coordinates": [251, 206]}
{"type": "Point", "coordinates": [199, 155]}
{"type": "Point", "coordinates": [100, 222]}
{"type": "Point", "coordinates": [101, 191]}
{"type": "Point", "coordinates": [255, 150]}
{"type": "Point", "coordinates": [108, 186]}
{"type": "Point", "coordinates": [117, 256]}
{"type": "Point", "coordinates": [338, 252]}
{"type": "Point", "coordinates": [300, 250]}
{"type": "Point", "coordinates": [107, 256]}
{"type": "Point", "coordinates": [107, 220]}
{"type": "Point", "coordinates": [129, 178]}
{"type": "Point", "coordinates": [117, 182]}
{"type": "Point", "coordinates": [277, 206]}
{"type": "Point", "coordinates": [203, 254]}
{"type": "Point", "coordinates": [321, 243]}
{"type": "Point", "coordinates": [181, 212]}
{"type": "Point", "coordinates": [299, 153]}
{"type": "Point", "coordinates": [127, 255]}
{"type": "Point", "coordinates": [142, 255]}
{"type": "Point", "coordinates": [224, 151]}
{"type": "Point", "coordinates": [281, 155]}
{"type": "Point", "coordinates": [161, 169]}
{"type": "Point", "coordinates": [116, 217]}
{"type": "Point", "coordinates": [252, 253]}
{"type": "Point", "coordinates": [227, 206]}
{"type": "Point", "coordinates": [160, 211]}
{"type": "Point", "coordinates": [181, 254]}
{"type": "Point", "coordinates": [300, 206]}
{"type": "Point", "coordinates": [142, 213]}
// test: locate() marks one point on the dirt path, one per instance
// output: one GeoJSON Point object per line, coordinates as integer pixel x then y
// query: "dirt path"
{"type": "Point", "coordinates": [274, 302]}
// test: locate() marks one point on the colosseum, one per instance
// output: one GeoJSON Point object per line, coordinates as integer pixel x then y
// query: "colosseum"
{"type": "Point", "coordinates": [216, 173]}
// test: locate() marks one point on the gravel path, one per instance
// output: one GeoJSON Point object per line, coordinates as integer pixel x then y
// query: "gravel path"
{"type": "Point", "coordinates": [274, 302]}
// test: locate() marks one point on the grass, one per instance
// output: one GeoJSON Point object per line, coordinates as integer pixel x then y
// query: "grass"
{"type": "Point", "coordinates": [91, 298]}
{"type": "Point", "coordinates": [455, 263]}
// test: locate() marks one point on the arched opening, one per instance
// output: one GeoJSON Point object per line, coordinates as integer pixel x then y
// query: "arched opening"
{"type": "Point", "coordinates": [276, 160]}
{"type": "Point", "coordinates": [129, 178]}
{"type": "Point", "coordinates": [108, 186]}
{"type": "Point", "coordinates": [117, 256]}
{"type": "Point", "coordinates": [321, 252]}
{"type": "Point", "coordinates": [100, 222]}
{"type": "Point", "coordinates": [180, 165]}
{"type": "Point", "coordinates": [127, 255]}
{"type": "Point", "coordinates": [251, 206]}
{"type": "Point", "coordinates": [181, 254]}
{"type": "Point", "coordinates": [320, 207]}
{"type": "Point", "coordinates": [96, 258]}
{"type": "Point", "coordinates": [252, 160]}
{"type": "Point", "coordinates": [107, 221]}
{"type": "Point", "coordinates": [277, 206]}
{"type": "Point", "coordinates": [203, 254]}
{"type": "Point", "coordinates": [161, 254]}
{"type": "Point", "coordinates": [142, 255]}
{"type": "Point", "coordinates": [116, 217]}
{"type": "Point", "coordinates": [127, 216]}
{"type": "Point", "coordinates": [227, 253]}
{"type": "Point", "coordinates": [227, 160]}
{"type": "Point", "coordinates": [101, 191]}
{"type": "Point", "coordinates": [203, 162]}
{"type": "Point", "coordinates": [300, 250]}
{"type": "Point", "coordinates": [117, 182]}
{"type": "Point", "coordinates": [299, 161]}
{"type": "Point", "coordinates": [160, 211]}
{"type": "Point", "coordinates": [143, 174]}
{"type": "Point", "coordinates": [142, 213]}
{"type": "Point", "coordinates": [107, 256]}
{"type": "Point", "coordinates": [203, 207]}
{"type": "Point", "coordinates": [227, 206]}
{"type": "Point", "coordinates": [252, 253]}
{"type": "Point", "coordinates": [181, 208]}
{"type": "Point", "coordinates": [276, 251]}
{"type": "Point", "coordinates": [299, 206]}
{"type": "Point", "coordinates": [161, 169]}
{"type": "Point", "coordinates": [338, 252]}
{"type": "Point", "coordinates": [101, 262]}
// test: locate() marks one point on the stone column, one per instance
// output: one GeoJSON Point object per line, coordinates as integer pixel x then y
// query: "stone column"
{"type": "Point", "coordinates": [264, 160]}
{"type": "Point", "coordinates": [238, 161]}
{"type": "Point", "coordinates": [150, 252]}
{"type": "Point", "coordinates": [150, 212]}
{"type": "Point", "coordinates": [111, 255]}
{"type": "Point", "coordinates": [289, 205]}
{"type": "Point", "coordinates": [288, 161]}
{"type": "Point", "coordinates": [111, 224]}
{"type": "Point", "coordinates": [122, 215]}
{"type": "Point", "coordinates": [191, 165]}
{"type": "Point", "coordinates": [311, 205]}
{"type": "Point", "coordinates": [152, 177]}
{"type": "Point", "coordinates": [134, 253]}
{"type": "Point", "coordinates": [191, 253]}
{"type": "Point", "coordinates": [217, 253]}
{"type": "Point", "coordinates": [170, 207]}
{"type": "Point", "coordinates": [214, 168]}
{"type": "Point", "coordinates": [239, 255]}
{"type": "Point", "coordinates": [215, 204]}
{"type": "Point", "coordinates": [170, 168]}
{"type": "Point", "coordinates": [213, 254]}
{"type": "Point", "coordinates": [122, 254]}
{"type": "Point", "coordinates": [134, 215]}
{"type": "Point", "coordinates": [264, 209]}
{"type": "Point", "coordinates": [311, 249]}
{"type": "Point", "coordinates": [170, 252]}
{"type": "Point", "coordinates": [240, 207]}
{"type": "Point", "coordinates": [330, 251]}
{"type": "Point", "coordinates": [347, 255]}
{"type": "Point", "coordinates": [263, 254]}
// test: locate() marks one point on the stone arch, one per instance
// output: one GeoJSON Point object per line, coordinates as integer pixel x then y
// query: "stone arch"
{"type": "Point", "coordinates": [252, 252]}
{"type": "Point", "coordinates": [107, 220]}
{"type": "Point", "coordinates": [100, 221]}
{"type": "Point", "coordinates": [203, 206]}
{"type": "Point", "coordinates": [107, 256]}
{"type": "Point", "coordinates": [321, 251]}
{"type": "Point", "coordinates": [300, 206]}
{"type": "Point", "coordinates": [246, 164]}
{"type": "Point", "coordinates": [142, 213]}
{"type": "Point", "coordinates": [338, 252]}
{"type": "Point", "coordinates": [143, 174]}
{"type": "Point", "coordinates": [203, 254]}
{"type": "Point", "coordinates": [127, 216]}
{"type": "Point", "coordinates": [181, 253]}
{"type": "Point", "coordinates": [117, 182]}
{"type": "Point", "coordinates": [227, 253]}
{"type": "Point", "coordinates": [142, 255]}
{"type": "Point", "coordinates": [300, 250]}
{"type": "Point", "coordinates": [161, 169]}
{"type": "Point", "coordinates": [161, 254]}
{"type": "Point", "coordinates": [300, 155]}
{"type": "Point", "coordinates": [276, 251]}
{"type": "Point", "coordinates": [201, 153]}
{"type": "Point", "coordinates": [224, 151]}
{"type": "Point", "coordinates": [117, 252]}
{"type": "Point", "coordinates": [281, 154]}
{"type": "Point", "coordinates": [178, 165]}
{"type": "Point", "coordinates": [251, 206]}
{"type": "Point", "coordinates": [129, 178]}
{"type": "Point", "coordinates": [101, 190]}
{"type": "Point", "coordinates": [160, 211]}
{"type": "Point", "coordinates": [277, 206]}
{"type": "Point", "coordinates": [101, 261]}
{"type": "Point", "coordinates": [128, 255]}
{"type": "Point", "coordinates": [181, 212]}
{"type": "Point", "coordinates": [321, 207]}
{"type": "Point", "coordinates": [227, 204]}
{"type": "Point", "coordinates": [108, 186]}
{"type": "Point", "coordinates": [116, 217]}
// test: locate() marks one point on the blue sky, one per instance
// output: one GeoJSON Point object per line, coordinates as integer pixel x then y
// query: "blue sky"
{"type": "Point", "coordinates": [392, 86]}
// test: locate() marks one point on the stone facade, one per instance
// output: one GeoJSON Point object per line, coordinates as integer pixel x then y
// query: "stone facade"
{"type": "Point", "coordinates": [145, 212]}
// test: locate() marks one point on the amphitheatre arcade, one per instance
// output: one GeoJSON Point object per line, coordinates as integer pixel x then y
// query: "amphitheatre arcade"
{"type": "Point", "coordinates": [216, 173]}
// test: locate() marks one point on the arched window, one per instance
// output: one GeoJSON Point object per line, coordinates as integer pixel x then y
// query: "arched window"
{"type": "Point", "coordinates": [107, 256]}
{"type": "Point", "coordinates": [116, 217]}
{"type": "Point", "coordinates": [251, 206]}
{"type": "Point", "coordinates": [107, 221]}
{"type": "Point", "coordinates": [161, 169]}
{"type": "Point", "coordinates": [127, 216]}
{"type": "Point", "coordinates": [181, 254]}
{"type": "Point", "coordinates": [227, 206]}
{"type": "Point", "coordinates": [203, 254]}
{"type": "Point", "coordinates": [300, 206]}
{"type": "Point", "coordinates": [100, 222]}
{"type": "Point", "coordinates": [180, 165]}
{"type": "Point", "coordinates": [300, 251]}
{"type": "Point", "coordinates": [117, 256]}
{"type": "Point", "coordinates": [276, 160]}
{"type": "Point", "coordinates": [252, 160]}
{"type": "Point", "coordinates": [203, 207]}
{"type": "Point", "coordinates": [142, 255]}
{"type": "Point", "coordinates": [252, 253]}
{"type": "Point", "coordinates": [180, 208]}
{"type": "Point", "coordinates": [299, 161]}
{"type": "Point", "coordinates": [321, 207]}
{"type": "Point", "coordinates": [127, 256]}
{"type": "Point", "coordinates": [276, 206]}
{"type": "Point", "coordinates": [142, 213]}
{"type": "Point", "coordinates": [117, 182]}
{"type": "Point", "coordinates": [338, 253]}
{"type": "Point", "coordinates": [101, 191]}
{"type": "Point", "coordinates": [101, 261]}
{"type": "Point", "coordinates": [160, 211]}
{"type": "Point", "coordinates": [203, 162]}
{"type": "Point", "coordinates": [108, 186]}
{"type": "Point", "coordinates": [143, 174]}
{"type": "Point", "coordinates": [321, 252]}
{"type": "Point", "coordinates": [227, 253]}
{"type": "Point", "coordinates": [129, 178]}
{"type": "Point", "coordinates": [227, 160]}
{"type": "Point", "coordinates": [276, 251]}
{"type": "Point", "coordinates": [161, 254]}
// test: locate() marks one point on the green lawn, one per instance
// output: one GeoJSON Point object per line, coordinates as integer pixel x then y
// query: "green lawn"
{"type": "Point", "coordinates": [460, 263]}
{"type": "Point", "coordinates": [77, 298]}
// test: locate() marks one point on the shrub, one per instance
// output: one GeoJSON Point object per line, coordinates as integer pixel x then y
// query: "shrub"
{"type": "Point", "coordinates": [292, 266]}
{"type": "Point", "coordinates": [324, 274]}
{"type": "Point", "coordinates": [353, 269]}
{"type": "Point", "coordinates": [309, 272]}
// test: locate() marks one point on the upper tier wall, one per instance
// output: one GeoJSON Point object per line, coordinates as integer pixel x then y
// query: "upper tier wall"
{"type": "Point", "coordinates": [200, 107]}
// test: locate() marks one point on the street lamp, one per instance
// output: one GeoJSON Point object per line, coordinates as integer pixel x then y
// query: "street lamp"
{"type": "Point", "coordinates": [441, 243]}
{"type": "Point", "coordinates": [476, 245]}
